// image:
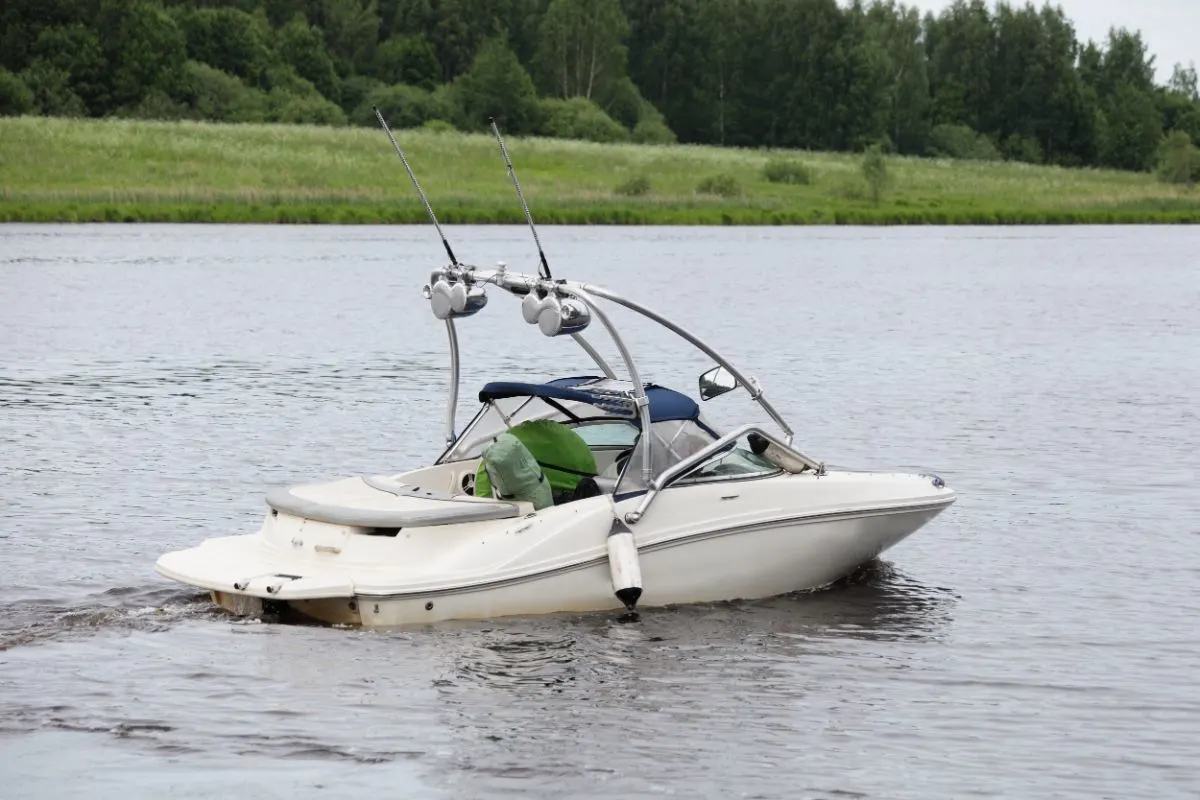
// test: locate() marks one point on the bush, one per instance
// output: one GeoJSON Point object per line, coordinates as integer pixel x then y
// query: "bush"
{"type": "Point", "coordinates": [1023, 148]}
{"type": "Point", "coordinates": [51, 90]}
{"type": "Point", "coordinates": [579, 118]}
{"type": "Point", "coordinates": [312, 109]}
{"type": "Point", "coordinates": [724, 185]}
{"type": "Point", "coordinates": [623, 102]}
{"type": "Point", "coordinates": [875, 172]}
{"type": "Point", "coordinates": [449, 99]}
{"type": "Point", "coordinates": [960, 141]}
{"type": "Point", "coordinates": [402, 106]}
{"type": "Point", "coordinates": [653, 130]}
{"type": "Point", "coordinates": [1178, 159]}
{"type": "Point", "coordinates": [438, 126]}
{"type": "Point", "coordinates": [15, 97]}
{"type": "Point", "coordinates": [215, 95]}
{"type": "Point", "coordinates": [634, 187]}
{"type": "Point", "coordinates": [787, 170]}
{"type": "Point", "coordinates": [155, 105]}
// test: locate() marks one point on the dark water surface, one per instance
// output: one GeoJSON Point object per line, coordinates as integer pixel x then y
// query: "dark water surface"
{"type": "Point", "coordinates": [1039, 639]}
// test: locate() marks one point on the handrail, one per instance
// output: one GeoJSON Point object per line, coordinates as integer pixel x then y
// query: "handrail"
{"type": "Point", "coordinates": [451, 437]}
{"type": "Point", "coordinates": [675, 471]}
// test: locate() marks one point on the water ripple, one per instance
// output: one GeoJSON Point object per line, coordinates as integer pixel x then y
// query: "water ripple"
{"type": "Point", "coordinates": [1036, 639]}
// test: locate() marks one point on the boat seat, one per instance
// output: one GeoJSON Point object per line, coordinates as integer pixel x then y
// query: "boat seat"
{"type": "Point", "coordinates": [607, 483]}
{"type": "Point", "coordinates": [388, 505]}
{"type": "Point", "coordinates": [607, 480]}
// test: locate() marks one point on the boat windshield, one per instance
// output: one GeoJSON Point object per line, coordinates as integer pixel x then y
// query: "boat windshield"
{"type": "Point", "coordinates": [671, 441]}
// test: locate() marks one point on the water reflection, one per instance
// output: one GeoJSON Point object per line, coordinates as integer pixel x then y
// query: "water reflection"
{"type": "Point", "coordinates": [875, 603]}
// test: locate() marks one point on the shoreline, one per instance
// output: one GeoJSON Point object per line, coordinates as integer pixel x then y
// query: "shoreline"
{"type": "Point", "coordinates": [631, 217]}
{"type": "Point", "coordinates": [75, 170]}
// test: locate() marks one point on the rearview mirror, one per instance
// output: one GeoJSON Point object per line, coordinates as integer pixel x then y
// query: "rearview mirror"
{"type": "Point", "coordinates": [716, 382]}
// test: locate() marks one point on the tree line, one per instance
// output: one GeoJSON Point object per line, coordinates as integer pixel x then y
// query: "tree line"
{"type": "Point", "coordinates": [974, 81]}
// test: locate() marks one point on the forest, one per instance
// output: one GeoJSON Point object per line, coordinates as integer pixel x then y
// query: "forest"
{"type": "Point", "coordinates": [977, 81]}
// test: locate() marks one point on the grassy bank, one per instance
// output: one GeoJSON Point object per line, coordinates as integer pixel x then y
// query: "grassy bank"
{"type": "Point", "coordinates": [92, 170]}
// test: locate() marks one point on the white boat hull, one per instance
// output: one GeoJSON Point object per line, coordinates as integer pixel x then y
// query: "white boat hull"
{"type": "Point", "coordinates": [557, 561]}
{"type": "Point", "coordinates": [802, 556]}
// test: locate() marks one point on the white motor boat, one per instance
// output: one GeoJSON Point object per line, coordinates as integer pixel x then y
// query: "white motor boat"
{"type": "Point", "coordinates": [650, 502]}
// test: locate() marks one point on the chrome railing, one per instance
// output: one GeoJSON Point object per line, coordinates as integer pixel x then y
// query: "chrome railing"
{"type": "Point", "coordinates": [677, 471]}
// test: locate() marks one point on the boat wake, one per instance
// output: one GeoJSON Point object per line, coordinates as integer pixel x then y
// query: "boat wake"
{"type": "Point", "coordinates": [39, 621]}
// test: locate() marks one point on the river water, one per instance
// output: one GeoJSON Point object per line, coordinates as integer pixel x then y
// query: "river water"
{"type": "Point", "coordinates": [1041, 638]}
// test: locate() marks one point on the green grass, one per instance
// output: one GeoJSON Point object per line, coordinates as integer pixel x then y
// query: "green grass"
{"type": "Point", "coordinates": [116, 170]}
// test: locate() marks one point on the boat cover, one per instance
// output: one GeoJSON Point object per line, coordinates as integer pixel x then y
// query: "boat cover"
{"type": "Point", "coordinates": [564, 457]}
{"type": "Point", "coordinates": [515, 473]}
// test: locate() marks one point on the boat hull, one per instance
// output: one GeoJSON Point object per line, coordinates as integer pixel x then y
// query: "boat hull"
{"type": "Point", "coordinates": [764, 559]}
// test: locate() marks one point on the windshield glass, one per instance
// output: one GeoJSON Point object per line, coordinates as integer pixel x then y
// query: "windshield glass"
{"type": "Point", "coordinates": [672, 441]}
{"type": "Point", "coordinates": [736, 463]}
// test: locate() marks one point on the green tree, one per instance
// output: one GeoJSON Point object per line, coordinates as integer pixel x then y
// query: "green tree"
{"type": "Point", "coordinates": [230, 40]}
{"type": "Point", "coordinates": [961, 43]}
{"type": "Point", "coordinates": [1179, 103]}
{"type": "Point", "coordinates": [703, 104]}
{"type": "Point", "coordinates": [682, 56]}
{"type": "Point", "coordinates": [144, 48]}
{"type": "Point", "coordinates": [580, 50]}
{"type": "Point", "coordinates": [1184, 83]}
{"type": "Point", "coordinates": [407, 59]}
{"type": "Point", "coordinates": [896, 33]}
{"type": "Point", "coordinates": [74, 51]}
{"type": "Point", "coordinates": [498, 86]}
{"type": "Point", "coordinates": [15, 97]}
{"type": "Point", "coordinates": [51, 90]}
{"type": "Point", "coordinates": [303, 48]}
{"type": "Point", "coordinates": [1126, 61]}
{"type": "Point", "coordinates": [1131, 129]}
{"type": "Point", "coordinates": [351, 30]}
{"type": "Point", "coordinates": [23, 21]}
{"type": "Point", "coordinates": [1039, 107]}
{"type": "Point", "coordinates": [461, 26]}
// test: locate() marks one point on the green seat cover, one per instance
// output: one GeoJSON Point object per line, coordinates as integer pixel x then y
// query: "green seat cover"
{"type": "Point", "coordinates": [515, 473]}
{"type": "Point", "coordinates": [553, 445]}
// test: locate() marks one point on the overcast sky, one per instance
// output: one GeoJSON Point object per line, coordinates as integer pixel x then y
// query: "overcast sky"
{"type": "Point", "coordinates": [1170, 28]}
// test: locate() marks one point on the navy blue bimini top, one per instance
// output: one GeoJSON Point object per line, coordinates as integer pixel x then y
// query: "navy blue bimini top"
{"type": "Point", "coordinates": [665, 404]}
